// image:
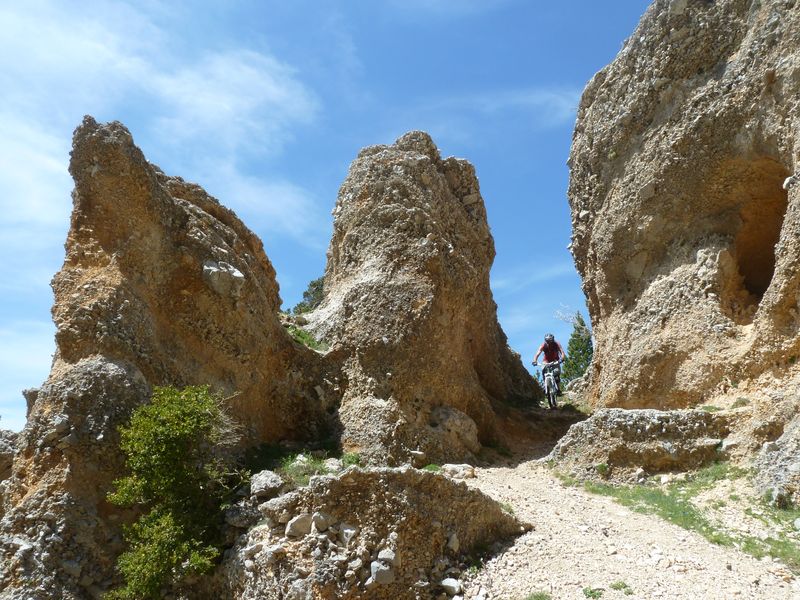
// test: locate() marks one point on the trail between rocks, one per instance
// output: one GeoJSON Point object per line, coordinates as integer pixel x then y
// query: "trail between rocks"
{"type": "Point", "coordinates": [581, 540]}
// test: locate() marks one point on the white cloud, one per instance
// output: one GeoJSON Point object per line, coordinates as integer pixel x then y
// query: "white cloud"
{"type": "Point", "coordinates": [275, 207]}
{"type": "Point", "coordinates": [548, 106]}
{"type": "Point", "coordinates": [241, 99]}
{"type": "Point", "coordinates": [542, 106]}
{"type": "Point", "coordinates": [207, 112]}
{"type": "Point", "coordinates": [521, 278]}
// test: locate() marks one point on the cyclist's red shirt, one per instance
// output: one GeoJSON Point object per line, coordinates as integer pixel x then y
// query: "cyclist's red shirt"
{"type": "Point", "coordinates": [551, 351]}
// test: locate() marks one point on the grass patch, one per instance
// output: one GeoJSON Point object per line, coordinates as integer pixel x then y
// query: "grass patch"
{"type": "Point", "coordinates": [433, 468]}
{"type": "Point", "coordinates": [740, 402]}
{"type": "Point", "coordinates": [710, 408]}
{"type": "Point", "coordinates": [351, 459]}
{"type": "Point", "coordinates": [507, 507]}
{"type": "Point", "coordinates": [301, 336]}
{"type": "Point", "coordinates": [539, 596]}
{"type": "Point", "coordinates": [593, 592]}
{"type": "Point", "coordinates": [621, 586]}
{"type": "Point", "coordinates": [299, 468]}
{"type": "Point", "coordinates": [668, 504]}
{"type": "Point", "coordinates": [673, 503]}
{"type": "Point", "coordinates": [602, 469]}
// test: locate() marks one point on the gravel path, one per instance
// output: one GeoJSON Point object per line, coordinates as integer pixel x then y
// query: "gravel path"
{"type": "Point", "coordinates": [582, 541]}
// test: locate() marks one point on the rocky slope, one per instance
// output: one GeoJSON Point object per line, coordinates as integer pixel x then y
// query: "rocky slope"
{"type": "Point", "coordinates": [371, 534]}
{"type": "Point", "coordinates": [408, 307]}
{"type": "Point", "coordinates": [684, 193]}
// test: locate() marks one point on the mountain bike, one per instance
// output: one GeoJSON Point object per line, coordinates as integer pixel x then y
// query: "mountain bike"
{"type": "Point", "coordinates": [549, 370]}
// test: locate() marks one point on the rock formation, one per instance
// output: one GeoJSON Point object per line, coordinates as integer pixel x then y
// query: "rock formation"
{"type": "Point", "coordinates": [685, 198]}
{"type": "Point", "coordinates": [372, 534]}
{"type": "Point", "coordinates": [8, 443]}
{"type": "Point", "coordinates": [778, 468]}
{"type": "Point", "coordinates": [162, 285]}
{"type": "Point", "coordinates": [627, 444]}
{"type": "Point", "coordinates": [408, 307]}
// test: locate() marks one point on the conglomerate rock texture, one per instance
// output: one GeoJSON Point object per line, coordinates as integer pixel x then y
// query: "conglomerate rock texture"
{"type": "Point", "coordinates": [371, 534]}
{"type": "Point", "coordinates": [161, 286]}
{"type": "Point", "coordinates": [408, 307]}
{"type": "Point", "coordinates": [625, 444]}
{"type": "Point", "coordinates": [685, 198]}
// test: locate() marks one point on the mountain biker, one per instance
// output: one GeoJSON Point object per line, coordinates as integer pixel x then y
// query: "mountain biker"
{"type": "Point", "coordinates": [553, 353]}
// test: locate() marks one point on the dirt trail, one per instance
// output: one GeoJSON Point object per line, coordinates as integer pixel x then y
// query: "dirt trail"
{"type": "Point", "coordinates": [582, 541]}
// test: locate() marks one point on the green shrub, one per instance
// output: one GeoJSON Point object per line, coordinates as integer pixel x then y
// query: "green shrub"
{"type": "Point", "coordinates": [621, 586]}
{"type": "Point", "coordinates": [301, 336]}
{"type": "Point", "coordinates": [299, 468]}
{"type": "Point", "coordinates": [593, 592]}
{"type": "Point", "coordinates": [433, 468]}
{"type": "Point", "coordinates": [741, 401]}
{"type": "Point", "coordinates": [179, 475]}
{"type": "Point", "coordinates": [351, 459]}
{"type": "Point", "coordinates": [602, 469]}
{"type": "Point", "coordinates": [539, 596]}
{"type": "Point", "coordinates": [507, 507]}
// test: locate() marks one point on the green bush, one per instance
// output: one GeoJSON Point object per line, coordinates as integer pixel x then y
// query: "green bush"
{"type": "Point", "coordinates": [301, 336]}
{"type": "Point", "coordinates": [621, 586]}
{"type": "Point", "coordinates": [351, 459]}
{"type": "Point", "coordinates": [179, 475]}
{"type": "Point", "coordinates": [433, 468]}
{"type": "Point", "coordinates": [299, 468]}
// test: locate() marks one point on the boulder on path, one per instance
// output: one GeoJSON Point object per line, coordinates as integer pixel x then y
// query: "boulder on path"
{"type": "Point", "coordinates": [389, 532]}
{"type": "Point", "coordinates": [627, 444]}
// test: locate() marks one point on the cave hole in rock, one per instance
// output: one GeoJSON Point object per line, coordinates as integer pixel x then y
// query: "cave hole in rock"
{"type": "Point", "coordinates": [760, 206]}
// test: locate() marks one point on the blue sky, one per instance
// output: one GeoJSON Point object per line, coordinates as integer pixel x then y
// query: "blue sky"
{"type": "Point", "coordinates": [265, 104]}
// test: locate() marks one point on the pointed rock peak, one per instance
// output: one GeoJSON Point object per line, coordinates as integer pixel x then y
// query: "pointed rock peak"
{"type": "Point", "coordinates": [418, 141]}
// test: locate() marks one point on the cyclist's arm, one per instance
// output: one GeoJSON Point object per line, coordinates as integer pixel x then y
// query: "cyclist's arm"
{"type": "Point", "coordinates": [536, 358]}
{"type": "Point", "coordinates": [561, 350]}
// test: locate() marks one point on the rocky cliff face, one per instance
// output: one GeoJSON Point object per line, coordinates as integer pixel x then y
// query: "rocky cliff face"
{"type": "Point", "coordinates": [685, 197]}
{"type": "Point", "coordinates": [409, 310]}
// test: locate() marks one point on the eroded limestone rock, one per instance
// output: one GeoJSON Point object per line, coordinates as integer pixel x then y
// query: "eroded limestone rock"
{"type": "Point", "coordinates": [778, 467]}
{"type": "Point", "coordinates": [684, 207]}
{"type": "Point", "coordinates": [408, 307]}
{"type": "Point", "coordinates": [619, 443]}
{"type": "Point", "coordinates": [161, 285]}
{"type": "Point", "coordinates": [389, 534]}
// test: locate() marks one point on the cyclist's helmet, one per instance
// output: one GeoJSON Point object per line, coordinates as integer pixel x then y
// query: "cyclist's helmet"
{"type": "Point", "coordinates": [549, 338]}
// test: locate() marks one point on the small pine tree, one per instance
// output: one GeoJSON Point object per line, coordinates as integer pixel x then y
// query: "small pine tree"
{"type": "Point", "coordinates": [311, 297]}
{"type": "Point", "coordinates": [579, 350]}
